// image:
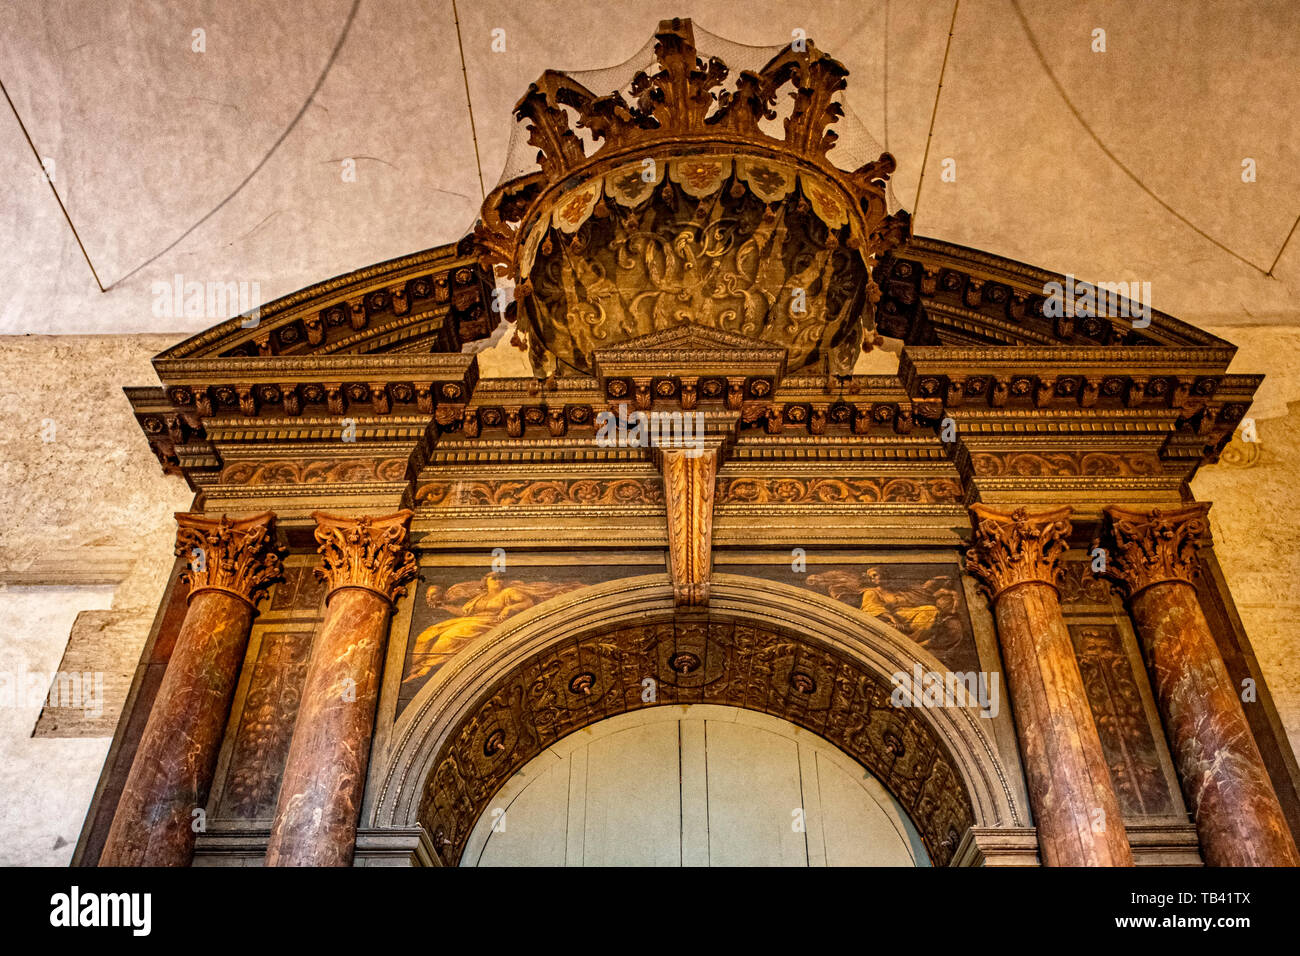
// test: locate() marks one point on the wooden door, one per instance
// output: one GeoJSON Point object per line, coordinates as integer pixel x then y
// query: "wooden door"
{"type": "Point", "coordinates": [698, 785]}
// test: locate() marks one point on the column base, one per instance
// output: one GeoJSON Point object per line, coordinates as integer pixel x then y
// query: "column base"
{"type": "Point", "coordinates": [1164, 844]}
{"type": "Point", "coordinates": [246, 846]}
{"type": "Point", "coordinates": [998, 846]}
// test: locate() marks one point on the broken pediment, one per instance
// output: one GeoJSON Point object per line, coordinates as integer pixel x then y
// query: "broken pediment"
{"type": "Point", "coordinates": [682, 249]}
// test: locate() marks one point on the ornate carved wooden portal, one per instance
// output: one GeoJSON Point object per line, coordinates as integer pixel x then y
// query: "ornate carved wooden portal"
{"type": "Point", "coordinates": [777, 453]}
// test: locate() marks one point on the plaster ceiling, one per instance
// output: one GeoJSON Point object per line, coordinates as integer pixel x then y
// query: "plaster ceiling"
{"type": "Point", "coordinates": [226, 165]}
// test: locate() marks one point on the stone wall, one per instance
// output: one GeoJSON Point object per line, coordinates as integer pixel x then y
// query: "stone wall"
{"type": "Point", "coordinates": [86, 507]}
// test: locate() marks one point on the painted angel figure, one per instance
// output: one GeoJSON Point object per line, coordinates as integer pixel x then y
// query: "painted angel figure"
{"type": "Point", "coordinates": [475, 607]}
{"type": "Point", "coordinates": [918, 611]}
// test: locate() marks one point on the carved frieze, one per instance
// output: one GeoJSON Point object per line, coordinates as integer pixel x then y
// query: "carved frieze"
{"type": "Point", "coordinates": [503, 493]}
{"type": "Point", "coordinates": [290, 471]}
{"type": "Point", "coordinates": [826, 491]}
{"type": "Point", "coordinates": [1058, 464]}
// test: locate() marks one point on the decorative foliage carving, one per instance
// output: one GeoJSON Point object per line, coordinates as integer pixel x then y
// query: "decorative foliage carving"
{"type": "Point", "coordinates": [485, 493]}
{"type": "Point", "coordinates": [689, 485]}
{"type": "Point", "coordinates": [1078, 585]}
{"type": "Point", "coordinates": [1066, 464]}
{"type": "Point", "coordinates": [297, 471]}
{"type": "Point", "coordinates": [1147, 548]}
{"type": "Point", "coordinates": [266, 724]}
{"type": "Point", "coordinates": [801, 491]}
{"type": "Point", "coordinates": [365, 552]}
{"type": "Point", "coordinates": [237, 556]}
{"type": "Point", "coordinates": [1122, 724]}
{"type": "Point", "coordinates": [1017, 547]}
{"type": "Point", "coordinates": [685, 97]}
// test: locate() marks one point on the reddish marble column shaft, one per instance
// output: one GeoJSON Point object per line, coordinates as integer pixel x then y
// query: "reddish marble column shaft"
{"type": "Point", "coordinates": [325, 774]}
{"type": "Point", "coordinates": [1016, 556]}
{"type": "Point", "coordinates": [1070, 788]}
{"type": "Point", "coordinates": [155, 822]}
{"type": "Point", "coordinates": [1238, 817]}
{"type": "Point", "coordinates": [1153, 555]}
{"type": "Point", "coordinates": [317, 811]}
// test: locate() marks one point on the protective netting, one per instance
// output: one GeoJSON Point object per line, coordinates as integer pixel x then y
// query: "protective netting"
{"type": "Point", "coordinates": [854, 147]}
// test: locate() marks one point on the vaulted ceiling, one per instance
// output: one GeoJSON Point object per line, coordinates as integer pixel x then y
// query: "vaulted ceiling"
{"type": "Point", "coordinates": [228, 164]}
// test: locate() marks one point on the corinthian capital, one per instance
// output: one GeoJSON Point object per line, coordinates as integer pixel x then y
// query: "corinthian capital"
{"type": "Point", "coordinates": [365, 553]}
{"type": "Point", "coordinates": [1146, 548]}
{"type": "Point", "coordinates": [1016, 547]}
{"type": "Point", "coordinates": [237, 557]}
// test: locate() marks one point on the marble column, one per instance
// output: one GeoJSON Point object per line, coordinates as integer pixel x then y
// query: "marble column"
{"type": "Point", "coordinates": [365, 563]}
{"type": "Point", "coordinates": [155, 823]}
{"type": "Point", "coordinates": [1016, 557]}
{"type": "Point", "coordinates": [1225, 782]}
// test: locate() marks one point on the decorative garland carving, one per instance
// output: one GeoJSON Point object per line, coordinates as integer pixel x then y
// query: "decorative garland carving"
{"type": "Point", "coordinates": [1017, 547]}
{"type": "Point", "coordinates": [365, 553]}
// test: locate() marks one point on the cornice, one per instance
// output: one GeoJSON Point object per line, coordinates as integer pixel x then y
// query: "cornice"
{"type": "Point", "coordinates": [1031, 279]}
{"type": "Point", "coordinates": [244, 370]}
{"type": "Point", "coordinates": [232, 331]}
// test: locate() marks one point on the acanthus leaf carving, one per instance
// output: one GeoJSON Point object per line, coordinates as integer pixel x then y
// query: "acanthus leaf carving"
{"type": "Point", "coordinates": [1150, 547]}
{"type": "Point", "coordinates": [365, 552]}
{"type": "Point", "coordinates": [1017, 547]}
{"type": "Point", "coordinates": [237, 556]}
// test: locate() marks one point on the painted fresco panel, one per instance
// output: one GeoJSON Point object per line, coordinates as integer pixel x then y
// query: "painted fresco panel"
{"type": "Point", "coordinates": [923, 601]}
{"type": "Point", "coordinates": [456, 606]}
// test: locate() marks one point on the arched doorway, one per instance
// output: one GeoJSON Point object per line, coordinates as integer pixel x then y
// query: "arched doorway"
{"type": "Point", "coordinates": [694, 785]}
{"type": "Point", "coordinates": [583, 657]}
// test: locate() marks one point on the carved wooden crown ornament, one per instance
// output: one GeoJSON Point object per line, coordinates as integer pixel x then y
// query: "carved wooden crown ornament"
{"type": "Point", "coordinates": [689, 209]}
